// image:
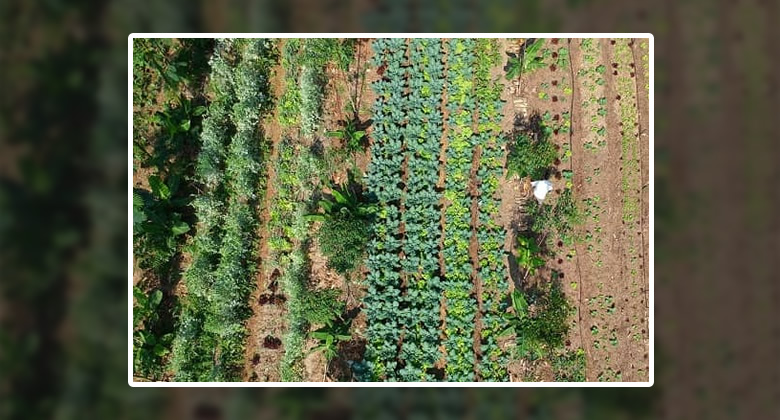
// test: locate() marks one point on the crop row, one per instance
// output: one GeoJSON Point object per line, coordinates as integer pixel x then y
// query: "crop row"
{"type": "Point", "coordinates": [211, 333]}
{"type": "Point", "coordinates": [490, 235]}
{"type": "Point", "coordinates": [461, 306]}
{"type": "Point", "coordinates": [288, 230]}
{"type": "Point", "coordinates": [383, 181]}
{"type": "Point", "coordinates": [420, 266]}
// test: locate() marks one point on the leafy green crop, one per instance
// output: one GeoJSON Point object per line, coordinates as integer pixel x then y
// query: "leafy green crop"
{"type": "Point", "coordinates": [149, 349]}
{"type": "Point", "coordinates": [459, 269]}
{"type": "Point", "coordinates": [531, 153]}
{"type": "Point", "coordinates": [490, 235]}
{"type": "Point", "coordinates": [211, 332]}
{"type": "Point", "coordinates": [529, 255]}
{"type": "Point", "coordinates": [158, 224]}
{"type": "Point", "coordinates": [383, 281]}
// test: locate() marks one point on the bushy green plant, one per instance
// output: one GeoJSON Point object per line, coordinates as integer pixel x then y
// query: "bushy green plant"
{"type": "Point", "coordinates": [210, 336]}
{"type": "Point", "coordinates": [149, 349]}
{"type": "Point", "coordinates": [544, 329]}
{"type": "Point", "coordinates": [157, 224]}
{"type": "Point", "coordinates": [321, 307]}
{"type": "Point", "coordinates": [557, 218]}
{"type": "Point", "coordinates": [329, 338]}
{"type": "Point", "coordinates": [531, 154]}
{"type": "Point", "coordinates": [569, 366]}
{"type": "Point", "coordinates": [353, 138]}
{"type": "Point", "coordinates": [529, 255]}
{"type": "Point", "coordinates": [343, 239]}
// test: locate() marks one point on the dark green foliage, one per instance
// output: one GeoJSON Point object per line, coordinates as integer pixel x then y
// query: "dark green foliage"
{"type": "Point", "coordinates": [557, 218]}
{"type": "Point", "coordinates": [343, 240]}
{"type": "Point", "coordinates": [157, 224]}
{"type": "Point", "coordinates": [321, 307]}
{"type": "Point", "coordinates": [352, 137]}
{"type": "Point", "coordinates": [345, 230]}
{"type": "Point", "coordinates": [543, 329]}
{"type": "Point", "coordinates": [343, 203]}
{"type": "Point", "coordinates": [148, 347]}
{"type": "Point", "coordinates": [529, 254]}
{"type": "Point", "coordinates": [531, 154]}
{"type": "Point", "coordinates": [329, 338]}
{"type": "Point", "coordinates": [318, 52]}
{"type": "Point", "coordinates": [569, 366]}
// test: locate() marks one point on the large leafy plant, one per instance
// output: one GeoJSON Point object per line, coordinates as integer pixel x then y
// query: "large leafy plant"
{"type": "Point", "coordinates": [148, 348]}
{"type": "Point", "coordinates": [329, 337]}
{"type": "Point", "coordinates": [529, 254]}
{"type": "Point", "coordinates": [157, 223]}
{"type": "Point", "coordinates": [353, 137]}
{"type": "Point", "coordinates": [542, 330]}
{"type": "Point", "coordinates": [528, 60]}
{"type": "Point", "coordinates": [531, 154]}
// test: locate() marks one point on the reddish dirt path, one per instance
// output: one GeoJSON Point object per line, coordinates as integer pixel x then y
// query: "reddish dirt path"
{"type": "Point", "coordinates": [261, 363]}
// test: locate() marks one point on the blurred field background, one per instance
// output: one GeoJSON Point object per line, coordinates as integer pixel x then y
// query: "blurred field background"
{"type": "Point", "coordinates": [63, 202]}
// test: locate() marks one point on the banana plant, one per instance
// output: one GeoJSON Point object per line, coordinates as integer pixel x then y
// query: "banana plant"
{"type": "Point", "coordinates": [329, 338]}
{"type": "Point", "coordinates": [343, 203]}
{"type": "Point", "coordinates": [527, 62]}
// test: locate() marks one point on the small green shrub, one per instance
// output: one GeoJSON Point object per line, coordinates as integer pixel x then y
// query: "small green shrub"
{"type": "Point", "coordinates": [531, 154]}
{"type": "Point", "coordinates": [556, 218]}
{"type": "Point", "coordinates": [543, 330]}
{"type": "Point", "coordinates": [321, 307]}
{"type": "Point", "coordinates": [343, 241]}
{"type": "Point", "coordinates": [569, 366]}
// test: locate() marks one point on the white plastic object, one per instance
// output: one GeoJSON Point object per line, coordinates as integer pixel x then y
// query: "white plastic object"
{"type": "Point", "coordinates": [541, 188]}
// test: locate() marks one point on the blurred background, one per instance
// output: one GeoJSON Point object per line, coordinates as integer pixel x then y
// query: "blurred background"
{"type": "Point", "coordinates": [63, 208]}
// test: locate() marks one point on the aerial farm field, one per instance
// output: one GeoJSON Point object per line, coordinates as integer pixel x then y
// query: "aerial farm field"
{"type": "Point", "coordinates": [331, 210]}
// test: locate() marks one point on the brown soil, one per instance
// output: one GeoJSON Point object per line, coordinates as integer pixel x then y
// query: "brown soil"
{"type": "Point", "coordinates": [261, 363]}
{"type": "Point", "coordinates": [321, 276]}
{"type": "Point", "coordinates": [600, 271]}
{"type": "Point", "coordinates": [584, 279]}
{"type": "Point", "coordinates": [474, 257]}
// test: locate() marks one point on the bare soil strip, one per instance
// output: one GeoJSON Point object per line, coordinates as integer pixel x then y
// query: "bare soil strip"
{"type": "Point", "coordinates": [261, 363]}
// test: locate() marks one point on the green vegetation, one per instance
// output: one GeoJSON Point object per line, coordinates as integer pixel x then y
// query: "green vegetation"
{"type": "Point", "coordinates": [490, 235]}
{"type": "Point", "coordinates": [354, 139]}
{"type": "Point", "coordinates": [543, 330]}
{"type": "Point", "coordinates": [530, 59]}
{"type": "Point", "coordinates": [210, 338]}
{"type": "Point", "coordinates": [556, 219]}
{"type": "Point", "coordinates": [167, 125]}
{"type": "Point", "coordinates": [403, 207]}
{"type": "Point", "coordinates": [149, 348]}
{"type": "Point", "coordinates": [531, 152]}
{"type": "Point", "coordinates": [346, 226]}
{"type": "Point", "coordinates": [305, 62]}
